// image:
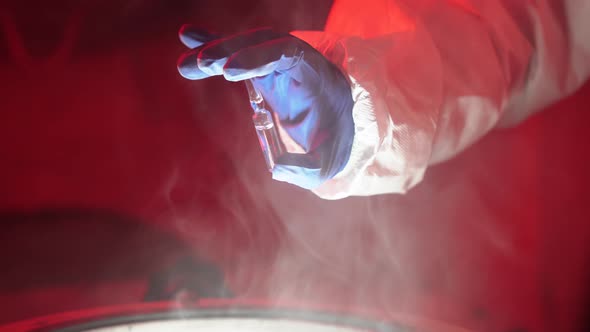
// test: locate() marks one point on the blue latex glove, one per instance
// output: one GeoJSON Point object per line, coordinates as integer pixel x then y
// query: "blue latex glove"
{"type": "Point", "coordinates": [310, 96]}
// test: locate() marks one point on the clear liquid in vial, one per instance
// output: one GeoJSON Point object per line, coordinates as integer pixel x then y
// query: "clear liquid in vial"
{"type": "Point", "coordinates": [268, 136]}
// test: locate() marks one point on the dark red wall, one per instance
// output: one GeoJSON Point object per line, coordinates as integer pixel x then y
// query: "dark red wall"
{"type": "Point", "coordinates": [110, 164]}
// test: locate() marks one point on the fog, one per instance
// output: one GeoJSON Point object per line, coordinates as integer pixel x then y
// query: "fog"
{"type": "Point", "coordinates": [493, 239]}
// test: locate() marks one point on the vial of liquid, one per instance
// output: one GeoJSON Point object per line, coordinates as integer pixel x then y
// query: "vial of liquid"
{"type": "Point", "coordinates": [268, 136]}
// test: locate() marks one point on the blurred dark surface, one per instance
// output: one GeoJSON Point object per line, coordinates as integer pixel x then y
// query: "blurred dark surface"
{"type": "Point", "coordinates": [137, 167]}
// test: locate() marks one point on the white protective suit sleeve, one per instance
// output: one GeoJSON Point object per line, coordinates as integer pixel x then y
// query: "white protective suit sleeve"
{"type": "Point", "coordinates": [430, 77]}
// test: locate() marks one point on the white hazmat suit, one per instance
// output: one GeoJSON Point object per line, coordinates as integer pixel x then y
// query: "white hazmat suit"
{"type": "Point", "coordinates": [431, 77]}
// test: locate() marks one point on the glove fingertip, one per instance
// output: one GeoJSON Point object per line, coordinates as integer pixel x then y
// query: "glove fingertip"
{"type": "Point", "coordinates": [192, 36]}
{"type": "Point", "coordinates": [183, 29]}
{"type": "Point", "coordinates": [188, 67]}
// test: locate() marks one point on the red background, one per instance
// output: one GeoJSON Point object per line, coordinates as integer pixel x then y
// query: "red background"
{"type": "Point", "coordinates": [111, 165]}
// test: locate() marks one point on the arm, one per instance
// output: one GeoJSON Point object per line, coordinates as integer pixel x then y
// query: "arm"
{"type": "Point", "coordinates": [429, 78]}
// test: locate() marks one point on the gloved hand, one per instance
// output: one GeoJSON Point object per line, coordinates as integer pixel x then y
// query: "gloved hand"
{"type": "Point", "coordinates": [310, 96]}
